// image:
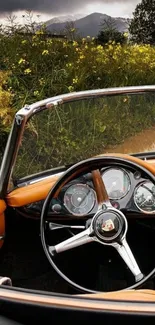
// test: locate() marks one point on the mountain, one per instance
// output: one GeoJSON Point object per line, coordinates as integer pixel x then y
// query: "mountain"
{"type": "Point", "coordinates": [87, 26]}
{"type": "Point", "coordinates": [63, 19]}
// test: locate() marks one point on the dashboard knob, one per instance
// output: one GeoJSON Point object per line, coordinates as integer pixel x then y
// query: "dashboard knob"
{"type": "Point", "coordinates": [56, 208]}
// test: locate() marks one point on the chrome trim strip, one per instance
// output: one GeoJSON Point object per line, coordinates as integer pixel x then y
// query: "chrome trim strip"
{"type": "Point", "coordinates": [28, 111]}
{"type": "Point", "coordinates": [42, 178]}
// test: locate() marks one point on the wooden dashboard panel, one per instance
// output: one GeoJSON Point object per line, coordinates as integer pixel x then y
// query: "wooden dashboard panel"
{"type": "Point", "coordinates": [39, 190]}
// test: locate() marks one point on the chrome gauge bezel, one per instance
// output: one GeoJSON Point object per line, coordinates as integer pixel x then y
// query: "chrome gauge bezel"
{"type": "Point", "coordinates": [93, 202]}
{"type": "Point", "coordinates": [137, 187]}
{"type": "Point", "coordinates": [125, 172]}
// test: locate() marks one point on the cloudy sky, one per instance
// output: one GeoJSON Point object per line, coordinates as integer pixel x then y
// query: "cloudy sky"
{"type": "Point", "coordinates": [49, 8]}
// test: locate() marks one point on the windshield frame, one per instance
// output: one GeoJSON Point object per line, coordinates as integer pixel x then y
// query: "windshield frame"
{"type": "Point", "coordinates": [25, 113]}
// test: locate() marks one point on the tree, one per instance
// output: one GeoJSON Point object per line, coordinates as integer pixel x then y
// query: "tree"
{"type": "Point", "coordinates": [142, 26]}
{"type": "Point", "coordinates": [71, 32]}
{"type": "Point", "coordinates": [109, 32]}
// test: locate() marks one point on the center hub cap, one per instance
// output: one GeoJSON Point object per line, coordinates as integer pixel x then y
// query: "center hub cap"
{"type": "Point", "coordinates": [108, 225]}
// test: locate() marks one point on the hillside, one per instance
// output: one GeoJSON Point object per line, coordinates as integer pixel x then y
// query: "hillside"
{"type": "Point", "coordinates": [88, 25]}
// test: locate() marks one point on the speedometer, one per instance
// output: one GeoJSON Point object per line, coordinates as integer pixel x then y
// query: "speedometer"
{"type": "Point", "coordinates": [79, 199]}
{"type": "Point", "coordinates": [117, 183]}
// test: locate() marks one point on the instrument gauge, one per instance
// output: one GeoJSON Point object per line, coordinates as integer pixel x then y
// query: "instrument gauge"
{"type": "Point", "coordinates": [144, 197]}
{"type": "Point", "coordinates": [79, 199]}
{"type": "Point", "coordinates": [117, 183]}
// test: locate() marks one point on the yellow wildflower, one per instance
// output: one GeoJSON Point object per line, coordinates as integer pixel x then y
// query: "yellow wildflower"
{"type": "Point", "coordinates": [21, 61]}
{"type": "Point", "coordinates": [24, 41]}
{"type": "Point", "coordinates": [34, 37]}
{"type": "Point", "coordinates": [36, 93]}
{"type": "Point", "coordinates": [50, 41]}
{"type": "Point", "coordinates": [39, 32]}
{"type": "Point", "coordinates": [126, 34]}
{"type": "Point", "coordinates": [41, 81]}
{"type": "Point", "coordinates": [82, 57]}
{"type": "Point", "coordinates": [71, 88]}
{"type": "Point", "coordinates": [75, 80]}
{"type": "Point", "coordinates": [27, 71]}
{"type": "Point", "coordinates": [100, 47]}
{"type": "Point", "coordinates": [75, 43]}
{"type": "Point", "coordinates": [45, 52]}
{"type": "Point", "coordinates": [69, 65]}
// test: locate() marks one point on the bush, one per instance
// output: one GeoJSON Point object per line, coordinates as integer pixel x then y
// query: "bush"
{"type": "Point", "coordinates": [5, 110]}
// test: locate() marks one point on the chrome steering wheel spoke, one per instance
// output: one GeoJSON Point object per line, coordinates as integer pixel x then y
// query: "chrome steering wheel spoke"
{"type": "Point", "coordinates": [57, 226]}
{"type": "Point", "coordinates": [125, 252]}
{"type": "Point", "coordinates": [80, 239]}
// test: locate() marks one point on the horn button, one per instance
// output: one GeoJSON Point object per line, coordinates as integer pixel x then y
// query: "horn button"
{"type": "Point", "coordinates": [108, 226]}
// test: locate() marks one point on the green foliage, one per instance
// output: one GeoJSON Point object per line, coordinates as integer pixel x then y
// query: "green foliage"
{"type": "Point", "coordinates": [41, 66]}
{"type": "Point", "coordinates": [5, 109]}
{"type": "Point", "coordinates": [109, 33]}
{"type": "Point", "coordinates": [142, 26]}
{"type": "Point", "coordinates": [5, 102]}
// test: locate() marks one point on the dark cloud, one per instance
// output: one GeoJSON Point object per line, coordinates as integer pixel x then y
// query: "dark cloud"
{"type": "Point", "coordinates": [53, 6]}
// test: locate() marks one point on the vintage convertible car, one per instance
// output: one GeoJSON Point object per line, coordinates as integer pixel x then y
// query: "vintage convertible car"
{"type": "Point", "coordinates": [77, 208]}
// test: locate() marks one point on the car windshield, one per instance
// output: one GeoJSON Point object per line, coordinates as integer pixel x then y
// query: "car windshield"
{"type": "Point", "coordinates": [71, 132]}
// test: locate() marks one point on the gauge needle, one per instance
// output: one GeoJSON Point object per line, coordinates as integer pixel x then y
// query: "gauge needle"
{"type": "Point", "coordinates": [148, 189]}
{"type": "Point", "coordinates": [82, 200]}
{"type": "Point", "coordinates": [146, 200]}
{"type": "Point", "coordinates": [113, 184]}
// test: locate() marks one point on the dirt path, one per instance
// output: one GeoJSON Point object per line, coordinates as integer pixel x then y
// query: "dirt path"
{"type": "Point", "coordinates": [141, 142]}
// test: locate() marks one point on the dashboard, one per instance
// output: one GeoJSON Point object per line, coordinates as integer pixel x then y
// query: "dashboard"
{"type": "Point", "coordinates": [128, 189]}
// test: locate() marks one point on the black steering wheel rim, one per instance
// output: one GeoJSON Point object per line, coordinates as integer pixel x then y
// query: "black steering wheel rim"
{"type": "Point", "coordinates": [75, 170]}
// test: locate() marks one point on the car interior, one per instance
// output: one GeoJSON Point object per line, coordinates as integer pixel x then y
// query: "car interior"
{"type": "Point", "coordinates": [77, 218]}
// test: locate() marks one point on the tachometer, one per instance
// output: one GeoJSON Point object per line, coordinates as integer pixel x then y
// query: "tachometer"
{"type": "Point", "coordinates": [117, 183]}
{"type": "Point", "coordinates": [144, 197]}
{"type": "Point", "coordinates": [79, 199]}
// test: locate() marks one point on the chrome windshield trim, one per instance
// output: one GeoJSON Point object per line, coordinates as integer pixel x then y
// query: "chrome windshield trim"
{"type": "Point", "coordinates": [36, 180]}
{"type": "Point", "coordinates": [28, 111]}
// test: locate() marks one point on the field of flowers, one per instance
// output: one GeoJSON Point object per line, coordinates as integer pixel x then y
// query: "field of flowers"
{"type": "Point", "coordinates": [34, 67]}
{"type": "Point", "coordinates": [40, 67]}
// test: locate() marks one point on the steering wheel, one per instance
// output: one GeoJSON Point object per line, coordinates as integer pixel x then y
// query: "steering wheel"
{"type": "Point", "coordinates": [108, 226]}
